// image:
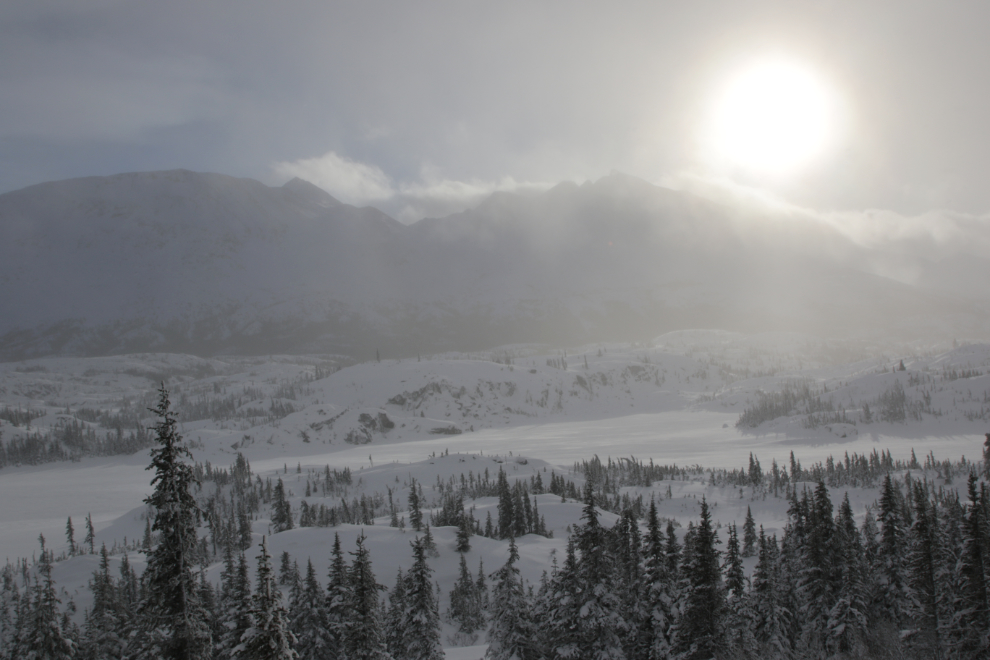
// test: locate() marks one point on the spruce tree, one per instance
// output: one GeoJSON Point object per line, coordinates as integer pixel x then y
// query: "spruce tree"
{"type": "Point", "coordinates": [749, 535]}
{"type": "Point", "coordinates": [309, 622]}
{"type": "Point", "coordinates": [506, 507]}
{"type": "Point", "coordinates": [395, 617]}
{"type": "Point", "coordinates": [90, 539]}
{"type": "Point", "coordinates": [772, 618]}
{"type": "Point", "coordinates": [269, 638]}
{"type": "Point", "coordinates": [893, 597]}
{"type": "Point", "coordinates": [70, 536]}
{"type": "Point", "coordinates": [848, 619]}
{"type": "Point", "coordinates": [364, 639]}
{"type": "Point", "coordinates": [281, 509]}
{"type": "Point", "coordinates": [817, 584]}
{"type": "Point", "coordinates": [465, 604]}
{"type": "Point", "coordinates": [699, 633]}
{"type": "Point", "coordinates": [464, 531]}
{"type": "Point", "coordinates": [235, 604]}
{"type": "Point", "coordinates": [421, 620]}
{"type": "Point", "coordinates": [974, 609]}
{"type": "Point", "coordinates": [511, 636]}
{"type": "Point", "coordinates": [923, 572]}
{"type": "Point", "coordinates": [45, 635]}
{"type": "Point", "coordinates": [102, 628]}
{"type": "Point", "coordinates": [338, 600]}
{"type": "Point", "coordinates": [415, 512]}
{"type": "Point", "coordinates": [173, 623]}
{"type": "Point", "coordinates": [660, 590]}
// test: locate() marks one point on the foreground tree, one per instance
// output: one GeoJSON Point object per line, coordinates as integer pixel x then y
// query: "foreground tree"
{"type": "Point", "coordinates": [173, 622]}
{"type": "Point", "coordinates": [364, 639]}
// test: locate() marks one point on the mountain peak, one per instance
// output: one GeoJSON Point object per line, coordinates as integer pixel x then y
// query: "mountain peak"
{"type": "Point", "coordinates": [300, 188]}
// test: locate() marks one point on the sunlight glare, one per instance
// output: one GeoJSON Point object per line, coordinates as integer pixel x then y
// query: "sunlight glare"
{"type": "Point", "coordinates": [773, 117]}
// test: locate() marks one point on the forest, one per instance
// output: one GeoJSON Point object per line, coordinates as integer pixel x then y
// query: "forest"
{"type": "Point", "coordinates": [909, 581]}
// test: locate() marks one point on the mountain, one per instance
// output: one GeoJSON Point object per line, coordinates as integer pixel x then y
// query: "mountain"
{"type": "Point", "coordinates": [210, 264]}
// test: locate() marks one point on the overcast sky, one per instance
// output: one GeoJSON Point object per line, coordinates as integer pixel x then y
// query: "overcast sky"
{"type": "Point", "coordinates": [421, 108]}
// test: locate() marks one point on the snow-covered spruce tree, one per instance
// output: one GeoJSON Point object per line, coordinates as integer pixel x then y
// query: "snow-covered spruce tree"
{"type": "Point", "coordinates": [625, 545]}
{"type": "Point", "coordinates": [512, 633]}
{"type": "Point", "coordinates": [415, 512]}
{"type": "Point", "coordinates": [848, 620]}
{"type": "Point", "coordinates": [739, 622]}
{"type": "Point", "coordinates": [103, 624]}
{"type": "Point", "coordinates": [660, 596]}
{"type": "Point", "coordinates": [395, 615]}
{"type": "Point", "coordinates": [421, 619]}
{"type": "Point", "coordinates": [338, 600]}
{"type": "Point", "coordinates": [893, 597]}
{"type": "Point", "coordinates": [465, 605]}
{"type": "Point", "coordinates": [364, 639]}
{"type": "Point", "coordinates": [281, 509]}
{"type": "Point", "coordinates": [173, 622]}
{"type": "Point", "coordinates": [309, 622]}
{"type": "Point", "coordinates": [817, 584]}
{"type": "Point", "coordinates": [235, 604]}
{"type": "Point", "coordinates": [506, 508]}
{"type": "Point", "coordinates": [464, 531]}
{"type": "Point", "coordinates": [269, 638]}
{"type": "Point", "coordinates": [600, 626]}
{"type": "Point", "coordinates": [923, 569]}
{"type": "Point", "coordinates": [973, 610]}
{"type": "Point", "coordinates": [45, 637]}
{"type": "Point", "coordinates": [700, 630]}
{"type": "Point", "coordinates": [749, 535]}
{"type": "Point", "coordinates": [772, 618]}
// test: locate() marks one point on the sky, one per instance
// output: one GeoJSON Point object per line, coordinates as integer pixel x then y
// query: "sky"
{"type": "Point", "coordinates": [424, 108]}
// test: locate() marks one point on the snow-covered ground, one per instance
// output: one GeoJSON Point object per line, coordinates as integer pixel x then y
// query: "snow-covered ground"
{"type": "Point", "coordinates": [525, 409]}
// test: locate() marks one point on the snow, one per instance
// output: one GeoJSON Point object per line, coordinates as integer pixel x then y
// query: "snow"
{"type": "Point", "coordinates": [672, 401]}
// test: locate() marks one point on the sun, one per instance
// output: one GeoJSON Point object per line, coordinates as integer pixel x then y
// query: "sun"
{"type": "Point", "coordinates": [772, 117]}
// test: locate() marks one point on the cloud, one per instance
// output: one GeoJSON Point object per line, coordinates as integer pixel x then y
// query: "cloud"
{"type": "Point", "coordinates": [432, 195]}
{"type": "Point", "coordinates": [349, 181]}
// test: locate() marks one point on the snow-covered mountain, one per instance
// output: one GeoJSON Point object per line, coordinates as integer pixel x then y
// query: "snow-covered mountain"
{"type": "Point", "coordinates": [210, 264]}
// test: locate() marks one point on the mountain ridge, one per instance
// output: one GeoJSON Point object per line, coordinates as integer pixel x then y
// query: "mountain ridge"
{"type": "Point", "coordinates": [206, 263]}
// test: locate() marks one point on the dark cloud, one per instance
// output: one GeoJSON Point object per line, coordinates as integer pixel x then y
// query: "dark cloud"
{"type": "Point", "coordinates": [474, 94]}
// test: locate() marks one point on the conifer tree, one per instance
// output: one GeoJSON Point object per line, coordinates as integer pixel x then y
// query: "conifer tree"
{"type": "Point", "coordinates": [848, 618]}
{"type": "Point", "coordinates": [772, 618]}
{"type": "Point", "coordinates": [45, 634]}
{"type": "Point", "coordinates": [235, 604]}
{"type": "Point", "coordinates": [269, 638]}
{"type": "Point", "coordinates": [816, 583]}
{"type": "Point", "coordinates": [395, 617]}
{"type": "Point", "coordinates": [421, 620]}
{"type": "Point", "coordinates": [465, 604]}
{"type": "Point", "coordinates": [512, 633]}
{"type": "Point", "coordinates": [923, 571]}
{"type": "Point", "coordinates": [281, 509]}
{"type": "Point", "coordinates": [699, 632]}
{"type": "Point", "coordinates": [70, 536]}
{"type": "Point", "coordinates": [338, 600]}
{"type": "Point", "coordinates": [173, 622]}
{"type": "Point", "coordinates": [749, 534]}
{"type": "Point", "coordinates": [415, 512]}
{"type": "Point", "coordinates": [463, 532]}
{"type": "Point", "coordinates": [660, 591]}
{"type": "Point", "coordinates": [893, 594]}
{"type": "Point", "coordinates": [506, 507]}
{"type": "Point", "coordinates": [364, 639]}
{"type": "Point", "coordinates": [102, 628]}
{"type": "Point", "coordinates": [90, 539]}
{"type": "Point", "coordinates": [973, 609]}
{"type": "Point", "coordinates": [309, 622]}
